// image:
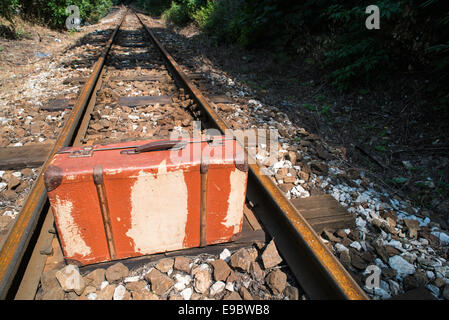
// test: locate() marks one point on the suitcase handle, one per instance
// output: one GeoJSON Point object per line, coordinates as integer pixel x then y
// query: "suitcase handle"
{"type": "Point", "coordinates": [157, 146]}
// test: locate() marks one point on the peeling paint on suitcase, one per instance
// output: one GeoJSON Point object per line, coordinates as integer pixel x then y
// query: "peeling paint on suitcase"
{"type": "Point", "coordinates": [135, 204]}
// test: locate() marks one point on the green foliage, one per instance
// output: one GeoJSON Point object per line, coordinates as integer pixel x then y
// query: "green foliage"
{"type": "Point", "coordinates": [182, 12]}
{"type": "Point", "coordinates": [52, 12]}
{"type": "Point", "coordinates": [154, 7]}
{"type": "Point", "coordinates": [8, 8]}
{"type": "Point", "coordinates": [309, 107]}
{"type": "Point", "coordinates": [358, 53]}
{"type": "Point", "coordinates": [412, 33]}
{"type": "Point", "coordinates": [399, 180]}
{"type": "Point", "coordinates": [176, 14]}
{"type": "Point", "coordinates": [216, 18]}
{"type": "Point", "coordinates": [90, 10]}
{"type": "Point", "coordinates": [325, 110]}
{"type": "Point", "coordinates": [203, 17]}
{"type": "Point", "coordinates": [320, 98]}
{"type": "Point", "coordinates": [219, 19]}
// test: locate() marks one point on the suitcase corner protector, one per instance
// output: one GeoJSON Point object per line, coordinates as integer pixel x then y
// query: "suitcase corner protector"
{"type": "Point", "coordinates": [52, 177]}
{"type": "Point", "coordinates": [242, 166]}
{"type": "Point", "coordinates": [74, 262]}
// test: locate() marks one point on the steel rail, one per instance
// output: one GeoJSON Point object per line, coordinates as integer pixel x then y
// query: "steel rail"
{"type": "Point", "coordinates": [36, 264]}
{"type": "Point", "coordinates": [319, 273]}
{"type": "Point", "coordinates": [16, 244]}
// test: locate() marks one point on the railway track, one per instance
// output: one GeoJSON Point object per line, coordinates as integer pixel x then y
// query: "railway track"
{"type": "Point", "coordinates": [137, 90]}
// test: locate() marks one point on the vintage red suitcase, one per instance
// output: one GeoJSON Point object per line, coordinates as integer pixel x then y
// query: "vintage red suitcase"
{"type": "Point", "coordinates": [137, 198]}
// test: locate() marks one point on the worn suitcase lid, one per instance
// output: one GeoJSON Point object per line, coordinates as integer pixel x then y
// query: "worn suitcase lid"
{"type": "Point", "coordinates": [119, 159]}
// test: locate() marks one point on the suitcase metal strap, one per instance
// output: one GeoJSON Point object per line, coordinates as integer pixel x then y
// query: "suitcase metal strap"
{"type": "Point", "coordinates": [161, 145]}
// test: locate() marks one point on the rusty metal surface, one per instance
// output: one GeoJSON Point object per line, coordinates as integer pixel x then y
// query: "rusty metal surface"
{"type": "Point", "coordinates": [321, 275]}
{"type": "Point", "coordinates": [30, 280]}
{"type": "Point", "coordinates": [18, 239]}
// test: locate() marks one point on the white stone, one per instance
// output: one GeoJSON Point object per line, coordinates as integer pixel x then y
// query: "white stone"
{"type": "Point", "coordinates": [253, 101]}
{"type": "Point", "coordinates": [10, 213]}
{"type": "Point", "coordinates": [217, 287]}
{"type": "Point", "coordinates": [92, 296]}
{"type": "Point", "coordinates": [394, 287]}
{"type": "Point", "coordinates": [3, 186]}
{"type": "Point", "coordinates": [434, 289]}
{"type": "Point", "coordinates": [225, 255]}
{"type": "Point", "coordinates": [362, 198]}
{"type": "Point", "coordinates": [379, 263]}
{"type": "Point", "coordinates": [340, 248]}
{"type": "Point", "coordinates": [202, 281]}
{"type": "Point", "coordinates": [230, 286]}
{"type": "Point", "coordinates": [444, 238]}
{"type": "Point", "coordinates": [187, 293]}
{"type": "Point", "coordinates": [205, 266]}
{"type": "Point", "coordinates": [384, 285]}
{"type": "Point", "coordinates": [360, 222]}
{"type": "Point", "coordinates": [182, 281]}
{"type": "Point", "coordinates": [363, 244]}
{"type": "Point", "coordinates": [397, 244]}
{"type": "Point", "coordinates": [17, 174]}
{"type": "Point", "coordinates": [278, 165]}
{"type": "Point", "coordinates": [131, 279]}
{"type": "Point", "coordinates": [444, 270]}
{"type": "Point", "coordinates": [356, 245]}
{"type": "Point", "coordinates": [119, 292]}
{"type": "Point", "coordinates": [430, 275]}
{"type": "Point", "coordinates": [378, 292]}
{"type": "Point", "coordinates": [104, 284]}
{"type": "Point", "coordinates": [401, 266]}
{"type": "Point", "coordinates": [70, 279]}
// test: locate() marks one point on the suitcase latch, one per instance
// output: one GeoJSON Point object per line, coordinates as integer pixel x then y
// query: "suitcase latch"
{"type": "Point", "coordinates": [84, 152]}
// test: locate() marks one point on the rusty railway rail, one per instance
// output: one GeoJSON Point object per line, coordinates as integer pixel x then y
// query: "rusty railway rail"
{"type": "Point", "coordinates": [322, 276]}
{"type": "Point", "coordinates": [318, 272]}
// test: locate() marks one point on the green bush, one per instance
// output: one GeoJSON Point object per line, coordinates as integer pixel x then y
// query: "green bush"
{"type": "Point", "coordinates": [8, 8]}
{"type": "Point", "coordinates": [52, 12]}
{"type": "Point", "coordinates": [218, 19]}
{"type": "Point", "coordinates": [154, 7]}
{"type": "Point", "coordinates": [90, 10]}
{"type": "Point", "coordinates": [411, 34]}
{"type": "Point", "coordinates": [182, 12]}
{"type": "Point", "coordinates": [176, 14]}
